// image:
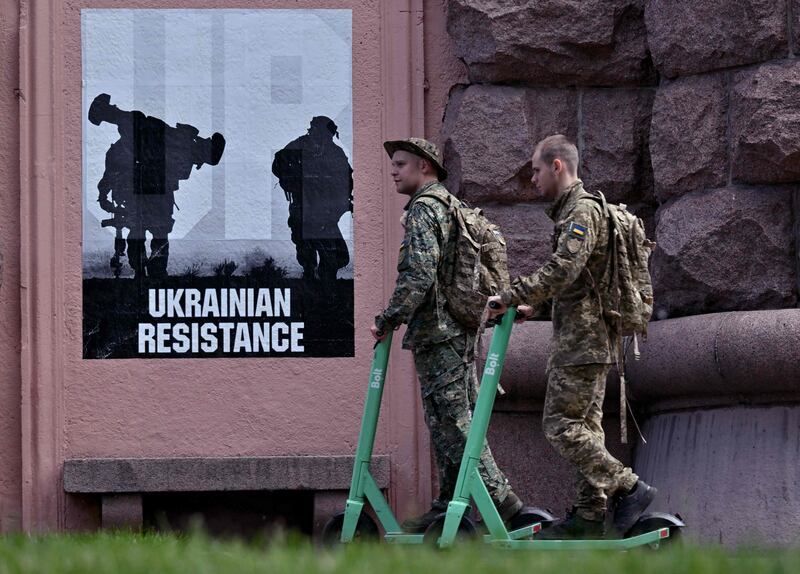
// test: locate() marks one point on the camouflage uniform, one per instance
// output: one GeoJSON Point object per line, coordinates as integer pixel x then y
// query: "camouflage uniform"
{"type": "Point", "coordinates": [583, 351]}
{"type": "Point", "coordinates": [443, 351]}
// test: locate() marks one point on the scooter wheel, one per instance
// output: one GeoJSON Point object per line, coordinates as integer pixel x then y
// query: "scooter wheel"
{"type": "Point", "coordinates": [366, 529]}
{"type": "Point", "coordinates": [466, 530]}
{"type": "Point", "coordinates": [531, 515]}
{"type": "Point", "coordinates": [651, 522]}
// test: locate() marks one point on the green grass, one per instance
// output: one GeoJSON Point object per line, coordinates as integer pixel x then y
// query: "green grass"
{"type": "Point", "coordinates": [124, 553]}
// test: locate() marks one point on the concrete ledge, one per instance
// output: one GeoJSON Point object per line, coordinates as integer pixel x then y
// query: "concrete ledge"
{"type": "Point", "coordinates": [110, 475]}
{"type": "Point", "coordinates": [741, 355]}
{"type": "Point", "coordinates": [718, 359]}
{"type": "Point", "coordinates": [524, 377]}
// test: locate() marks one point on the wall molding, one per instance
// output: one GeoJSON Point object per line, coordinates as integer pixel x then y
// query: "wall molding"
{"type": "Point", "coordinates": [41, 267]}
{"type": "Point", "coordinates": [403, 115]}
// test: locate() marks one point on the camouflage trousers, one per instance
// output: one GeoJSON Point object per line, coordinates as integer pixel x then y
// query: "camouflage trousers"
{"type": "Point", "coordinates": [449, 392]}
{"type": "Point", "coordinates": [572, 422]}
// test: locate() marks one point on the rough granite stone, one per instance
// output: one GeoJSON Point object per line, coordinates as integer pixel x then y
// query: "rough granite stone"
{"type": "Point", "coordinates": [647, 212]}
{"type": "Point", "coordinates": [527, 230]}
{"type": "Point", "coordinates": [693, 37]}
{"type": "Point", "coordinates": [489, 134]}
{"type": "Point", "coordinates": [765, 123]}
{"type": "Point", "coordinates": [688, 137]}
{"type": "Point", "coordinates": [796, 211]}
{"type": "Point", "coordinates": [615, 158]}
{"type": "Point", "coordinates": [725, 249]}
{"type": "Point", "coordinates": [795, 7]}
{"type": "Point", "coordinates": [557, 42]}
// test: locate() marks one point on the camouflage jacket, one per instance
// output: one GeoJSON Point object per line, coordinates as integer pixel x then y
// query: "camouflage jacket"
{"type": "Point", "coordinates": [417, 299]}
{"type": "Point", "coordinates": [580, 334]}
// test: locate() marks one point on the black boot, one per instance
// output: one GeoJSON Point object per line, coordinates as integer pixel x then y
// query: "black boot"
{"type": "Point", "coordinates": [630, 505]}
{"type": "Point", "coordinates": [419, 524]}
{"type": "Point", "coordinates": [528, 515]}
{"type": "Point", "coordinates": [510, 507]}
{"type": "Point", "coordinates": [574, 527]}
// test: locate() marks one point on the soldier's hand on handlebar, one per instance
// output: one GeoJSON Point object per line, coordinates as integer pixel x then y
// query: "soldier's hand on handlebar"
{"type": "Point", "coordinates": [524, 312]}
{"type": "Point", "coordinates": [378, 334]}
{"type": "Point", "coordinates": [495, 306]}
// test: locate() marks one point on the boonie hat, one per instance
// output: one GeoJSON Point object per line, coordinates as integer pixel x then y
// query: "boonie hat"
{"type": "Point", "coordinates": [420, 147]}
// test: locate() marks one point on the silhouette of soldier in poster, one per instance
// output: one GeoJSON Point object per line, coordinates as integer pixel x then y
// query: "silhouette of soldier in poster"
{"type": "Point", "coordinates": [318, 182]}
{"type": "Point", "coordinates": [143, 170]}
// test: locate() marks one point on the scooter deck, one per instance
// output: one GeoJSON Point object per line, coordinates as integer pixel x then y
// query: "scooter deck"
{"type": "Point", "coordinates": [403, 538]}
{"type": "Point", "coordinates": [519, 534]}
{"type": "Point", "coordinates": [524, 539]}
{"type": "Point", "coordinates": [648, 538]}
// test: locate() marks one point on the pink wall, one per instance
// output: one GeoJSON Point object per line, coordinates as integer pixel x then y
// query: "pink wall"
{"type": "Point", "coordinates": [443, 69]}
{"type": "Point", "coordinates": [10, 485]}
{"type": "Point", "coordinates": [220, 407]}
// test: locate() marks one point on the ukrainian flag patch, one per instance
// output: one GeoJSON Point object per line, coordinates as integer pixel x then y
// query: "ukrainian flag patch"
{"type": "Point", "coordinates": [578, 231]}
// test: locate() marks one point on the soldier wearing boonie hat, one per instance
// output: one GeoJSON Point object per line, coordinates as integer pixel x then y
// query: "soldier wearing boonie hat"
{"type": "Point", "coordinates": [442, 348]}
{"type": "Point", "coordinates": [422, 148]}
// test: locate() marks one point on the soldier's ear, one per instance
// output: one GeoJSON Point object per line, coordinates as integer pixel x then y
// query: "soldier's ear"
{"type": "Point", "coordinates": [425, 166]}
{"type": "Point", "coordinates": [558, 166]}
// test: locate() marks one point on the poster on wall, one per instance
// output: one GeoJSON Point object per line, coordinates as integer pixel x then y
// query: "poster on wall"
{"type": "Point", "coordinates": [217, 183]}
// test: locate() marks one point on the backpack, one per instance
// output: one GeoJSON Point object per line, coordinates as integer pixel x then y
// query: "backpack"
{"type": "Point", "coordinates": [627, 293]}
{"type": "Point", "coordinates": [626, 289]}
{"type": "Point", "coordinates": [475, 263]}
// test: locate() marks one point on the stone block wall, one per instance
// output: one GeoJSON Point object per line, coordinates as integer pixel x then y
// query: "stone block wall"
{"type": "Point", "coordinates": [689, 112]}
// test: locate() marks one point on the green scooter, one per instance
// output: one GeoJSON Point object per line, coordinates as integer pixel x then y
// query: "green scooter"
{"type": "Point", "coordinates": [354, 523]}
{"type": "Point", "coordinates": [651, 529]}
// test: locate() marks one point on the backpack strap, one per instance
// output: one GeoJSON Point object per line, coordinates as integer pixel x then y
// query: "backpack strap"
{"type": "Point", "coordinates": [442, 197]}
{"type": "Point", "coordinates": [448, 204]}
{"type": "Point", "coordinates": [618, 343]}
{"type": "Point", "coordinates": [601, 199]}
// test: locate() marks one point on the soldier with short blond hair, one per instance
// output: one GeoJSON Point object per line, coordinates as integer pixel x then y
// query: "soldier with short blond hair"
{"type": "Point", "coordinates": [583, 346]}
